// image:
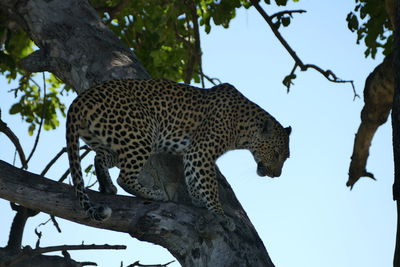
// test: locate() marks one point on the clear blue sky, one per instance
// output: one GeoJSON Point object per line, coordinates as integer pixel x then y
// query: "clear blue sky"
{"type": "Point", "coordinates": [307, 217]}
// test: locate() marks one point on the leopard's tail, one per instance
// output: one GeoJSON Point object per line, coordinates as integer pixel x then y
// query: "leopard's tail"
{"type": "Point", "coordinates": [96, 212]}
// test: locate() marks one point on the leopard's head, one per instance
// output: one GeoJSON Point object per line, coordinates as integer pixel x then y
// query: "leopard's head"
{"type": "Point", "coordinates": [270, 148]}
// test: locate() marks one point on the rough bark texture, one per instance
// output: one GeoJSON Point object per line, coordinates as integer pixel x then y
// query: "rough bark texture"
{"type": "Point", "coordinates": [189, 233]}
{"type": "Point", "coordinates": [79, 49]}
{"type": "Point", "coordinates": [378, 98]}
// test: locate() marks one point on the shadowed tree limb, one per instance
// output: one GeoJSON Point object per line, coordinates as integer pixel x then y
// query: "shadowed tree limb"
{"type": "Point", "coordinates": [188, 232]}
{"type": "Point", "coordinates": [378, 98]}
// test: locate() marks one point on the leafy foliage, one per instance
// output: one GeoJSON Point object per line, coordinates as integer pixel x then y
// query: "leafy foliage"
{"type": "Point", "coordinates": [371, 23]}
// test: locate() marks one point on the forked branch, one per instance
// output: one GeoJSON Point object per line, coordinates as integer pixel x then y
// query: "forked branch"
{"type": "Point", "coordinates": [328, 74]}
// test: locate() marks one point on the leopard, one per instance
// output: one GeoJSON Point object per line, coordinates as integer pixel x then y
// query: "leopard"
{"type": "Point", "coordinates": [127, 121]}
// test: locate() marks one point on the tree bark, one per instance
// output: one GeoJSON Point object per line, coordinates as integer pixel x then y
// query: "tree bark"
{"type": "Point", "coordinates": [378, 98]}
{"type": "Point", "coordinates": [76, 46]}
{"type": "Point", "coordinates": [396, 129]}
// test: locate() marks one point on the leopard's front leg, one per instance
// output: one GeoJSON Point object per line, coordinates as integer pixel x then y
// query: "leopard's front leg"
{"type": "Point", "coordinates": [201, 180]}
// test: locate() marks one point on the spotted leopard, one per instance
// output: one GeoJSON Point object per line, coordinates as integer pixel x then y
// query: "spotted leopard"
{"type": "Point", "coordinates": [126, 121]}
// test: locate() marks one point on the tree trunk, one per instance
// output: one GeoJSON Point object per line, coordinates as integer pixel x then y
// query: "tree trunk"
{"type": "Point", "coordinates": [77, 47]}
{"type": "Point", "coordinates": [396, 129]}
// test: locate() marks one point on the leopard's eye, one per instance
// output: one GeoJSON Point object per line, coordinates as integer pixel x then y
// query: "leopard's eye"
{"type": "Point", "coordinates": [276, 155]}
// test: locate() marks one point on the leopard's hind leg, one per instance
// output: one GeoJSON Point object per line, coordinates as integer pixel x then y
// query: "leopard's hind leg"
{"type": "Point", "coordinates": [102, 162]}
{"type": "Point", "coordinates": [131, 161]}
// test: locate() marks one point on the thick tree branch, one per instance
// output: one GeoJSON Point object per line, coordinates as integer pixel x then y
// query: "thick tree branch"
{"type": "Point", "coordinates": [62, 50]}
{"type": "Point", "coordinates": [378, 98]}
{"type": "Point", "coordinates": [186, 231]}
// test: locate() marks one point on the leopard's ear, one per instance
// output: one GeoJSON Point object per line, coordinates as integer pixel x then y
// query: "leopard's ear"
{"type": "Point", "coordinates": [288, 130]}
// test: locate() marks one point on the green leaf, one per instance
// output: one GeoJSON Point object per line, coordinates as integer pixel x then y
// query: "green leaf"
{"type": "Point", "coordinates": [31, 129]}
{"type": "Point", "coordinates": [352, 22]}
{"type": "Point", "coordinates": [285, 21]}
{"type": "Point", "coordinates": [16, 108]}
{"type": "Point", "coordinates": [88, 168]}
{"type": "Point", "coordinates": [281, 2]}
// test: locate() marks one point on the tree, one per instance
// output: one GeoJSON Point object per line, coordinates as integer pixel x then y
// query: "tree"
{"type": "Point", "coordinates": [185, 53]}
{"type": "Point", "coordinates": [188, 237]}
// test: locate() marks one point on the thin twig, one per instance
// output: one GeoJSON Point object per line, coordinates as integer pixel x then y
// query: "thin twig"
{"type": "Point", "coordinates": [286, 12]}
{"type": "Point", "coordinates": [333, 78]}
{"type": "Point", "coordinates": [55, 223]}
{"type": "Point", "coordinates": [28, 252]}
{"type": "Point", "coordinates": [136, 263]}
{"type": "Point", "coordinates": [41, 120]}
{"type": "Point", "coordinates": [14, 139]}
{"type": "Point", "coordinates": [59, 154]}
{"type": "Point", "coordinates": [214, 81]}
{"type": "Point", "coordinates": [87, 263]}
{"type": "Point", "coordinates": [327, 74]}
{"type": "Point", "coordinates": [65, 175]}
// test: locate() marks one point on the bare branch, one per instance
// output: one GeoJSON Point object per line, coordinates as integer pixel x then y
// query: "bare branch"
{"type": "Point", "coordinates": [327, 74]}
{"type": "Point", "coordinates": [136, 263]}
{"type": "Point", "coordinates": [41, 120]}
{"type": "Point", "coordinates": [286, 12]}
{"type": "Point", "coordinates": [14, 139]}
{"type": "Point", "coordinates": [59, 154]}
{"type": "Point", "coordinates": [88, 263]}
{"type": "Point", "coordinates": [84, 154]}
{"type": "Point", "coordinates": [55, 223]}
{"type": "Point", "coordinates": [214, 81]}
{"type": "Point", "coordinates": [28, 252]}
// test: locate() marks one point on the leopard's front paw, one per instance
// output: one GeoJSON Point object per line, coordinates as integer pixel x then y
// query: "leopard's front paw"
{"type": "Point", "coordinates": [158, 195]}
{"type": "Point", "coordinates": [153, 194]}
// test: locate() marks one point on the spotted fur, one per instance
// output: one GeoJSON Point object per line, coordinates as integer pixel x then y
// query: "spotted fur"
{"type": "Point", "coordinates": [125, 121]}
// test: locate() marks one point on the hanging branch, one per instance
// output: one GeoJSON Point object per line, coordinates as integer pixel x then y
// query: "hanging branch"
{"type": "Point", "coordinates": [328, 74]}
